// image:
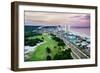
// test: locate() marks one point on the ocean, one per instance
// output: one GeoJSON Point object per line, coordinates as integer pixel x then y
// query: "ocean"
{"type": "Point", "coordinates": [84, 32]}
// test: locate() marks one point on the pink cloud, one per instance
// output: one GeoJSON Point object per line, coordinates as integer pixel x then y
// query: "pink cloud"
{"type": "Point", "coordinates": [73, 19]}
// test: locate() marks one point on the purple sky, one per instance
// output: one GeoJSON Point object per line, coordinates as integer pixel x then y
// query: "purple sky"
{"type": "Point", "coordinates": [50, 18]}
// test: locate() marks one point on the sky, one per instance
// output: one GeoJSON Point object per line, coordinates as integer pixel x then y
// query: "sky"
{"type": "Point", "coordinates": [56, 18]}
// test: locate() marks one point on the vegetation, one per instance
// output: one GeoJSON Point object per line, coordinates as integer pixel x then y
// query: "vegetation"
{"type": "Point", "coordinates": [31, 34]}
{"type": "Point", "coordinates": [32, 42]}
{"type": "Point", "coordinates": [63, 55]}
{"type": "Point", "coordinates": [48, 57]}
{"type": "Point", "coordinates": [50, 50]}
{"type": "Point", "coordinates": [28, 34]}
{"type": "Point", "coordinates": [61, 44]}
{"type": "Point", "coordinates": [60, 41]}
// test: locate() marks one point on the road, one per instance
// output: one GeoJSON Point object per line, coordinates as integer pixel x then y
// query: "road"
{"type": "Point", "coordinates": [76, 53]}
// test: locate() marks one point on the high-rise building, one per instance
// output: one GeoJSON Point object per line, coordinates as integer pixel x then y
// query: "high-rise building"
{"type": "Point", "coordinates": [67, 28]}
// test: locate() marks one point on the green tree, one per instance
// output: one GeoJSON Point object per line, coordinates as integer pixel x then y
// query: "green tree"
{"type": "Point", "coordinates": [48, 57]}
{"type": "Point", "coordinates": [48, 50]}
{"type": "Point", "coordinates": [63, 55]}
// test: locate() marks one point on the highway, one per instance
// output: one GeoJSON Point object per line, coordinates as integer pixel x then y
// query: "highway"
{"type": "Point", "coordinates": [76, 53]}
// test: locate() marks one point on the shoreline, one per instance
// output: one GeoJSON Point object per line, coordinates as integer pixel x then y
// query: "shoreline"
{"type": "Point", "coordinates": [31, 48]}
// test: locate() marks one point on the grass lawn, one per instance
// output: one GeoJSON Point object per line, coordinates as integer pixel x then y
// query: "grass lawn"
{"type": "Point", "coordinates": [40, 52]}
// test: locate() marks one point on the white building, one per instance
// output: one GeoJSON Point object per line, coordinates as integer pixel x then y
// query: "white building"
{"type": "Point", "coordinates": [67, 28]}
